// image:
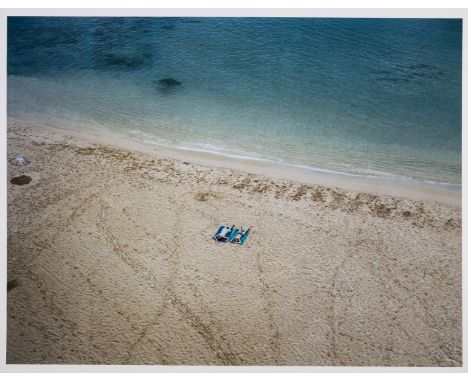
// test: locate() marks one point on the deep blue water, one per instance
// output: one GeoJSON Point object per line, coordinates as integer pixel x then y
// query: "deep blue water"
{"type": "Point", "coordinates": [362, 96]}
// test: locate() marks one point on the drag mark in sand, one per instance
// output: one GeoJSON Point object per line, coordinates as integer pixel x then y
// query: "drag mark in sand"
{"type": "Point", "coordinates": [142, 334]}
{"type": "Point", "coordinates": [79, 209]}
{"type": "Point", "coordinates": [68, 326]}
{"type": "Point", "coordinates": [28, 265]}
{"type": "Point", "coordinates": [228, 358]}
{"type": "Point", "coordinates": [267, 297]}
{"type": "Point", "coordinates": [383, 270]}
{"type": "Point", "coordinates": [137, 268]}
{"type": "Point", "coordinates": [119, 250]}
{"type": "Point", "coordinates": [334, 293]}
{"type": "Point", "coordinates": [168, 294]}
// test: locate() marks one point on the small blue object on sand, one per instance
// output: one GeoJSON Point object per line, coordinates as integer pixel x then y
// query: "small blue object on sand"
{"type": "Point", "coordinates": [223, 239]}
{"type": "Point", "coordinates": [233, 234]}
{"type": "Point", "coordinates": [244, 237]}
{"type": "Point", "coordinates": [218, 232]}
{"type": "Point", "coordinates": [230, 235]}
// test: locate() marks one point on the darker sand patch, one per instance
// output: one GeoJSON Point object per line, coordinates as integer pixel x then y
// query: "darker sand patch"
{"type": "Point", "coordinates": [20, 180]}
{"type": "Point", "coordinates": [381, 210]}
{"type": "Point", "coordinates": [317, 196]}
{"type": "Point", "coordinates": [242, 184]}
{"type": "Point", "coordinates": [452, 223]}
{"type": "Point", "coordinates": [299, 193]}
{"type": "Point", "coordinates": [204, 196]}
{"type": "Point", "coordinates": [11, 284]}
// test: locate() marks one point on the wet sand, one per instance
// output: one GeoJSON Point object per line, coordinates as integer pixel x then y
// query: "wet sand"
{"type": "Point", "coordinates": [110, 261]}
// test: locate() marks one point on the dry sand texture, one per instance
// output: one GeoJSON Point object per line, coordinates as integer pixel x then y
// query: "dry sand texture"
{"type": "Point", "coordinates": [110, 262]}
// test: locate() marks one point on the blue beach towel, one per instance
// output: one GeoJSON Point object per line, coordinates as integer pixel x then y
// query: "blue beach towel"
{"type": "Point", "coordinates": [228, 235]}
{"type": "Point", "coordinates": [231, 234]}
{"type": "Point", "coordinates": [244, 237]}
{"type": "Point", "coordinates": [218, 232]}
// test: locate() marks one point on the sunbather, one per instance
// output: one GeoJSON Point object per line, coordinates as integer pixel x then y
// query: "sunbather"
{"type": "Point", "coordinates": [239, 235]}
{"type": "Point", "coordinates": [222, 235]}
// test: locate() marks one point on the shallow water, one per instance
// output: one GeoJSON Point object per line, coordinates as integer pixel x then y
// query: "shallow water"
{"type": "Point", "coordinates": [376, 97]}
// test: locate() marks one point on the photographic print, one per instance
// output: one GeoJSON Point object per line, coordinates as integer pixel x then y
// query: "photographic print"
{"type": "Point", "coordinates": [234, 191]}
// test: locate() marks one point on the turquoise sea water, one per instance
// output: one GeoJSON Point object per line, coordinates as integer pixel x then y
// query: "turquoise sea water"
{"type": "Point", "coordinates": [372, 97]}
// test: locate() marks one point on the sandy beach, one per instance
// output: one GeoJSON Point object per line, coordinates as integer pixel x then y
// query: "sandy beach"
{"type": "Point", "coordinates": [110, 261]}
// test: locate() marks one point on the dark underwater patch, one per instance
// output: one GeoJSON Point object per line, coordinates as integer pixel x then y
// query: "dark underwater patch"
{"type": "Point", "coordinates": [166, 85]}
{"type": "Point", "coordinates": [415, 73]}
{"type": "Point", "coordinates": [169, 83]}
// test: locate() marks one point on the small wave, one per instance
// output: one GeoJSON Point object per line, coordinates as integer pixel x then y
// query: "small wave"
{"type": "Point", "coordinates": [274, 161]}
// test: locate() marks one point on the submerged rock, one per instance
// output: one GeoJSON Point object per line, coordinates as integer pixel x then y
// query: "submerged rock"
{"type": "Point", "coordinates": [19, 160]}
{"type": "Point", "coordinates": [169, 83]}
{"type": "Point", "coordinates": [20, 180]}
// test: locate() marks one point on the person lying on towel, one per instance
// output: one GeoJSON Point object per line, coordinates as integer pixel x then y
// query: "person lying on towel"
{"type": "Point", "coordinates": [239, 235]}
{"type": "Point", "coordinates": [222, 235]}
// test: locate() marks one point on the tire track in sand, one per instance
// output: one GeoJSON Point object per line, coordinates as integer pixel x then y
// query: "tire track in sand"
{"type": "Point", "coordinates": [220, 349]}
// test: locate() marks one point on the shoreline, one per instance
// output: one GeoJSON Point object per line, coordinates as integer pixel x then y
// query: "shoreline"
{"type": "Point", "coordinates": [393, 187]}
